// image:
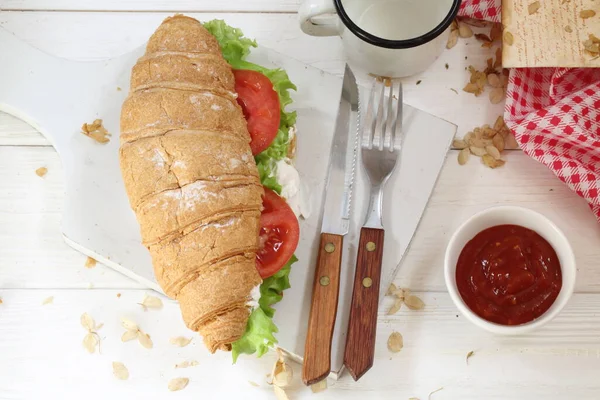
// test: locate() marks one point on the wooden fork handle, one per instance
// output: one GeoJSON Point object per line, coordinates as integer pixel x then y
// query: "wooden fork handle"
{"type": "Point", "coordinates": [362, 325]}
{"type": "Point", "coordinates": [323, 310]}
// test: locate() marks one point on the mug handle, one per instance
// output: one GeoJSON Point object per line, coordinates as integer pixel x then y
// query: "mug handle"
{"type": "Point", "coordinates": [327, 26]}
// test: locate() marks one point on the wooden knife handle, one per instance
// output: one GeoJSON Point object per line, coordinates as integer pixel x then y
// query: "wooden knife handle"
{"type": "Point", "coordinates": [362, 325]}
{"type": "Point", "coordinates": [323, 310]}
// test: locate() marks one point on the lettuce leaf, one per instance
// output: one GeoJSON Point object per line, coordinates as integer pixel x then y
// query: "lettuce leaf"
{"type": "Point", "coordinates": [260, 330]}
{"type": "Point", "coordinates": [259, 335]}
{"type": "Point", "coordinates": [235, 49]}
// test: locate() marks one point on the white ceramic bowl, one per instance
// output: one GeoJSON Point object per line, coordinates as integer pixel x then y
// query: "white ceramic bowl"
{"type": "Point", "coordinates": [515, 216]}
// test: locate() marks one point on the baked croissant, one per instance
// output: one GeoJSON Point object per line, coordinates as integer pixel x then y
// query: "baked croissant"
{"type": "Point", "coordinates": [191, 179]}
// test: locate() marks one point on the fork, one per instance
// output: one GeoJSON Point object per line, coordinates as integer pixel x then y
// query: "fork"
{"type": "Point", "coordinates": [380, 150]}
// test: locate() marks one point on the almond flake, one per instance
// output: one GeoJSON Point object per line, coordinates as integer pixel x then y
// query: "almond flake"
{"type": "Point", "coordinates": [499, 124]}
{"type": "Point", "coordinates": [463, 156]}
{"type": "Point", "coordinates": [280, 393]}
{"type": "Point", "coordinates": [129, 324]}
{"type": "Point", "coordinates": [48, 300]}
{"type": "Point", "coordinates": [496, 95]}
{"type": "Point", "coordinates": [180, 341]}
{"type": "Point", "coordinates": [498, 142]}
{"type": "Point", "coordinates": [533, 7]}
{"type": "Point", "coordinates": [151, 302]}
{"type": "Point", "coordinates": [391, 290]}
{"type": "Point", "coordinates": [508, 38]}
{"type": "Point", "coordinates": [469, 355]}
{"type": "Point", "coordinates": [452, 39]}
{"type": "Point", "coordinates": [319, 386]}
{"type": "Point", "coordinates": [491, 162]}
{"type": "Point", "coordinates": [176, 384]}
{"type": "Point", "coordinates": [467, 137]}
{"type": "Point", "coordinates": [494, 81]}
{"type": "Point", "coordinates": [493, 151]}
{"type": "Point", "coordinates": [511, 142]}
{"type": "Point", "coordinates": [459, 144]}
{"type": "Point", "coordinates": [89, 342]}
{"type": "Point", "coordinates": [414, 303]}
{"type": "Point", "coordinates": [252, 383]}
{"type": "Point", "coordinates": [282, 373]}
{"type": "Point", "coordinates": [90, 262]}
{"type": "Point", "coordinates": [283, 378]}
{"type": "Point", "coordinates": [395, 342]}
{"type": "Point", "coordinates": [87, 322]}
{"type": "Point", "coordinates": [41, 171]}
{"type": "Point", "coordinates": [145, 340]}
{"type": "Point", "coordinates": [473, 88]}
{"type": "Point", "coordinates": [489, 133]}
{"type": "Point", "coordinates": [186, 364]}
{"type": "Point", "coordinates": [477, 151]}
{"type": "Point", "coordinates": [129, 335]}
{"type": "Point", "coordinates": [464, 30]}
{"type": "Point", "coordinates": [587, 14]}
{"type": "Point", "coordinates": [120, 371]}
{"type": "Point", "coordinates": [394, 309]}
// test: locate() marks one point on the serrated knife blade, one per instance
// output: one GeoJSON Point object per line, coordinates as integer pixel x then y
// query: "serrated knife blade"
{"type": "Point", "coordinates": [342, 165]}
{"type": "Point", "coordinates": [336, 222]}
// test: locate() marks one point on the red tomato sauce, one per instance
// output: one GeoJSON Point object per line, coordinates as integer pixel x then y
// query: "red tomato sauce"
{"type": "Point", "coordinates": [508, 274]}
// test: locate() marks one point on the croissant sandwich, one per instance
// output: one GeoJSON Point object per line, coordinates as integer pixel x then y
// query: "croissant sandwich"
{"type": "Point", "coordinates": [203, 147]}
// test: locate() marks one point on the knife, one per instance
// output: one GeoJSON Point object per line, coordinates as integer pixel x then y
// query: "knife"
{"type": "Point", "coordinates": [336, 221]}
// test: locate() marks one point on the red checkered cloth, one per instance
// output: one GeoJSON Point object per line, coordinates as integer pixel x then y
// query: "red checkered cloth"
{"type": "Point", "coordinates": [554, 114]}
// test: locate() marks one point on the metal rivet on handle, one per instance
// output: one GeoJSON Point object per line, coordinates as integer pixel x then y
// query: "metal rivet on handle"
{"type": "Point", "coordinates": [330, 247]}
{"type": "Point", "coordinates": [367, 282]}
{"type": "Point", "coordinates": [371, 246]}
{"type": "Point", "coordinates": [324, 281]}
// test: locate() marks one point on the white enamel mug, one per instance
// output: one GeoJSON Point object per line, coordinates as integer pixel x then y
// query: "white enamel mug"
{"type": "Point", "coordinates": [392, 38]}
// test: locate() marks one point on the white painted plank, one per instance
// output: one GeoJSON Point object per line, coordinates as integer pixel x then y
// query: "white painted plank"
{"type": "Point", "coordinates": [41, 352]}
{"type": "Point", "coordinates": [154, 5]}
{"type": "Point", "coordinates": [13, 132]}
{"type": "Point", "coordinates": [29, 221]}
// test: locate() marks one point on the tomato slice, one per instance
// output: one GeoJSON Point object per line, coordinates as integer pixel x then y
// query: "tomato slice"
{"type": "Point", "coordinates": [279, 235]}
{"type": "Point", "coordinates": [260, 104]}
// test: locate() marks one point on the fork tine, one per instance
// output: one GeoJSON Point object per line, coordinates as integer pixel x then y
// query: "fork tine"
{"type": "Point", "coordinates": [396, 130]}
{"type": "Point", "coordinates": [369, 123]}
{"type": "Point", "coordinates": [387, 128]}
{"type": "Point", "coordinates": [378, 130]}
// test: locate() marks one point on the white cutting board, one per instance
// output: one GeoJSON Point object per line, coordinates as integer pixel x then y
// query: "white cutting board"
{"type": "Point", "coordinates": [56, 96]}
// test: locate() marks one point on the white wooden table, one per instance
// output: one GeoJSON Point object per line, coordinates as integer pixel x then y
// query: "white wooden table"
{"type": "Point", "coordinates": [40, 346]}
